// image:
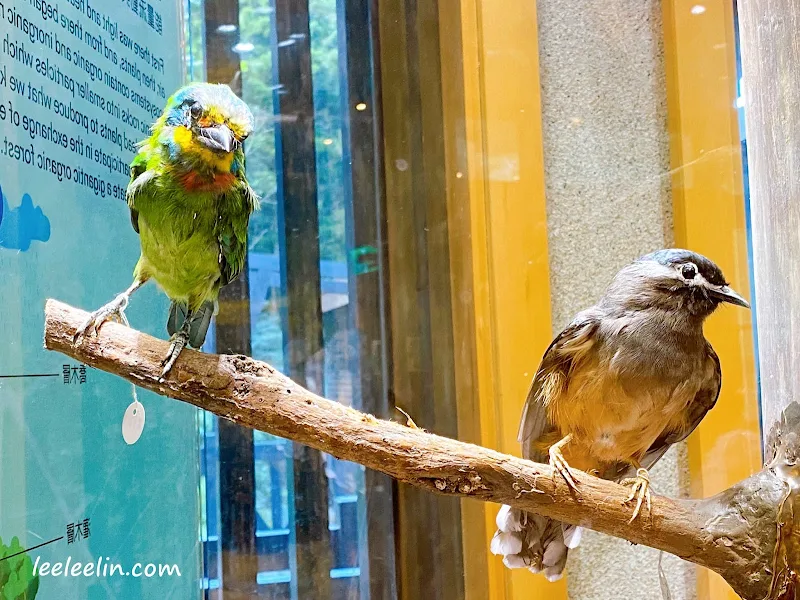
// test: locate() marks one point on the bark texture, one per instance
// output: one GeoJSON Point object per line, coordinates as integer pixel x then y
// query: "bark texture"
{"type": "Point", "coordinates": [734, 533]}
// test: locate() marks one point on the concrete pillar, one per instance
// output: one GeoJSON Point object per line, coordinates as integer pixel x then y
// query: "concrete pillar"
{"type": "Point", "coordinates": [606, 152]}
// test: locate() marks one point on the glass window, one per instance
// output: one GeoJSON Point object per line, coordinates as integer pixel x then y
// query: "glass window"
{"type": "Point", "coordinates": [302, 261]}
{"type": "Point", "coordinates": [443, 187]}
{"type": "Point", "coordinates": [80, 83]}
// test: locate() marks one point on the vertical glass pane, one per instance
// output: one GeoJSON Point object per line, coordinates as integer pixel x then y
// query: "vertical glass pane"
{"type": "Point", "coordinates": [254, 41]}
{"type": "Point", "coordinates": [273, 456]}
{"type": "Point", "coordinates": [89, 78]}
{"type": "Point", "coordinates": [340, 338]}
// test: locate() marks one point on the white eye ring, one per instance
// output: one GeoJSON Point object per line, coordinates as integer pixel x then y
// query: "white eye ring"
{"type": "Point", "coordinates": [196, 110]}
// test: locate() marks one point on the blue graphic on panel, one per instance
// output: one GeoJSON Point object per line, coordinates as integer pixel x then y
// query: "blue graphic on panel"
{"type": "Point", "coordinates": [22, 225]}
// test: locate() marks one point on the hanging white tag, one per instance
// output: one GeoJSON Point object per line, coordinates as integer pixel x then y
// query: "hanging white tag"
{"type": "Point", "coordinates": [133, 422]}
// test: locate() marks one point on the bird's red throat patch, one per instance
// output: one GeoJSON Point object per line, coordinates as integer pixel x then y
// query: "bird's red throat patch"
{"type": "Point", "coordinates": [193, 181]}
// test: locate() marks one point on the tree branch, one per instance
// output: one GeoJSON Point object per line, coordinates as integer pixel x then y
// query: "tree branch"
{"type": "Point", "coordinates": [733, 534]}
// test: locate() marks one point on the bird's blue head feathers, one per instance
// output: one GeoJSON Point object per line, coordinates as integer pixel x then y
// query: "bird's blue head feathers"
{"type": "Point", "coordinates": [203, 127]}
{"type": "Point", "coordinates": [212, 101]}
{"type": "Point", "coordinates": [672, 257]}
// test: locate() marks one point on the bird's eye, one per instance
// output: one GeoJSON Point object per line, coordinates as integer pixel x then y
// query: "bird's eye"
{"type": "Point", "coordinates": [689, 271]}
{"type": "Point", "coordinates": [196, 110]}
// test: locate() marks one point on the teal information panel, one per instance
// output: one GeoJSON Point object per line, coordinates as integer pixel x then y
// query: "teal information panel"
{"type": "Point", "coordinates": [80, 83]}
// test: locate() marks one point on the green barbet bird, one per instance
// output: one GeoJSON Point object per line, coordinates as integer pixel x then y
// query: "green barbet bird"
{"type": "Point", "coordinates": [190, 203]}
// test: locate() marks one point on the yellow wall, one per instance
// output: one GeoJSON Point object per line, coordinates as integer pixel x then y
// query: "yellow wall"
{"type": "Point", "coordinates": [499, 185]}
{"type": "Point", "coordinates": [708, 200]}
{"type": "Point", "coordinates": [499, 257]}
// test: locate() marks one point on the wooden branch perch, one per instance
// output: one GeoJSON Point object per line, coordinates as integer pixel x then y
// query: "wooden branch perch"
{"type": "Point", "coordinates": [733, 534]}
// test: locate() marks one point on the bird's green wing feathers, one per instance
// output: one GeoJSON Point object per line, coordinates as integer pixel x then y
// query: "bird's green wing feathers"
{"type": "Point", "coordinates": [235, 208]}
{"type": "Point", "coordinates": [140, 178]}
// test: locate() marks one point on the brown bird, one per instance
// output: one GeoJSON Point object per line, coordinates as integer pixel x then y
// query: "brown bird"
{"type": "Point", "coordinates": [628, 378]}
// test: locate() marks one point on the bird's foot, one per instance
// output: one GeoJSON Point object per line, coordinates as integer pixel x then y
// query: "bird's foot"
{"type": "Point", "coordinates": [179, 341]}
{"type": "Point", "coordinates": [640, 491]}
{"type": "Point", "coordinates": [560, 465]}
{"type": "Point", "coordinates": [113, 311]}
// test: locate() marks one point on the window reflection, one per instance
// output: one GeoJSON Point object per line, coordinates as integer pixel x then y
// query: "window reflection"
{"type": "Point", "coordinates": [254, 40]}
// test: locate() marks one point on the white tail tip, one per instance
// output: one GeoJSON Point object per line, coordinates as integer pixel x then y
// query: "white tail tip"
{"type": "Point", "coordinates": [508, 519]}
{"type": "Point", "coordinates": [572, 536]}
{"type": "Point", "coordinates": [552, 575]}
{"type": "Point", "coordinates": [515, 561]}
{"type": "Point", "coordinates": [505, 543]}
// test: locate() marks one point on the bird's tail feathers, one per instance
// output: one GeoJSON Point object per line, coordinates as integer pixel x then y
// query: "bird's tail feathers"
{"type": "Point", "coordinates": [532, 542]}
{"type": "Point", "coordinates": [177, 315]}
{"type": "Point", "coordinates": [201, 319]}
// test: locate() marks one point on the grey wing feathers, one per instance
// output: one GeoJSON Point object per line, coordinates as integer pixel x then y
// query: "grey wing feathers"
{"type": "Point", "coordinates": [523, 539]}
{"type": "Point", "coordinates": [556, 365]}
{"type": "Point", "coordinates": [533, 423]}
{"type": "Point", "coordinates": [704, 401]}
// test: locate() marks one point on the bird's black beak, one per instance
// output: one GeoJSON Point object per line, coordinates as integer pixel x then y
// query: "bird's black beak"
{"type": "Point", "coordinates": [218, 138]}
{"type": "Point", "coordinates": [726, 294]}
